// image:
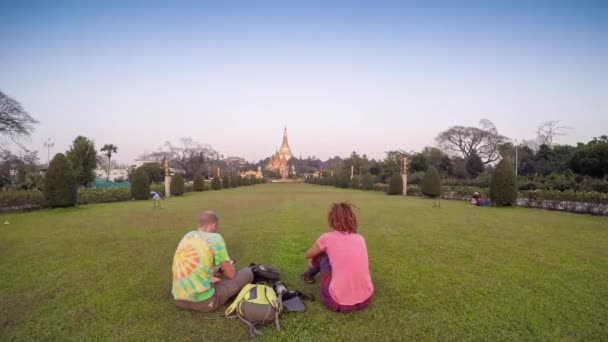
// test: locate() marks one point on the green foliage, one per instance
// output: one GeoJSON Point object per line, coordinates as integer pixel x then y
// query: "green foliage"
{"type": "Point", "coordinates": [103, 195]}
{"type": "Point", "coordinates": [355, 183]}
{"type": "Point", "coordinates": [83, 160]}
{"type": "Point", "coordinates": [199, 183]}
{"type": "Point", "coordinates": [140, 185]}
{"type": "Point", "coordinates": [380, 187]}
{"type": "Point", "coordinates": [235, 180]}
{"type": "Point", "coordinates": [592, 159]}
{"type": "Point", "coordinates": [417, 163]}
{"type": "Point", "coordinates": [503, 189]}
{"type": "Point", "coordinates": [342, 181]}
{"type": "Point", "coordinates": [158, 188]}
{"type": "Point", "coordinates": [59, 183]}
{"type": "Point", "coordinates": [415, 177]}
{"type": "Point", "coordinates": [216, 183]}
{"type": "Point", "coordinates": [395, 187]}
{"type": "Point", "coordinates": [177, 185]}
{"type": "Point", "coordinates": [226, 182]}
{"type": "Point", "coordinates": [569, 195]}
{"type": "Point", "coordinates": [431, 184]}
{"type": "Point", "coordinates": [21, 200]}
{"type": "Point", "coordinates": [155, 171]}
{"type": "Point", "coordinates": [367, 182]}
{"type": "Point", "coordinates": [474, 165]}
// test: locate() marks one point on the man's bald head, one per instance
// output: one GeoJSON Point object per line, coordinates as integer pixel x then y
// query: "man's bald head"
{"type": "Point", "coordinates": [208, 221]}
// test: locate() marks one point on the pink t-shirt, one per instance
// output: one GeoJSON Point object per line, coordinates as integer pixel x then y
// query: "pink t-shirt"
{"type": "Point", "coordinates": [351, 282]}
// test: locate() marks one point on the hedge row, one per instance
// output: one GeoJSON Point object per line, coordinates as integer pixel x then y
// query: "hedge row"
{"type": "Point", "coordinates": [102, 195]}
{"type": "Point", "coordinates": [561, 196]}
{"type": "Point", "coordinates": [21, 200]}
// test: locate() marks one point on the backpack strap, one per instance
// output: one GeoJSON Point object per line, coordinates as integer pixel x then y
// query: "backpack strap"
{"type": "Point", "coordinates": [253, 332]}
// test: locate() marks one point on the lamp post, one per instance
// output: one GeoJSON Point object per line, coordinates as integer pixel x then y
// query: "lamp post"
{"type": "Point", "coordinates": [515, 158]}
{"type": "Point", "coordinates": [48, 144]}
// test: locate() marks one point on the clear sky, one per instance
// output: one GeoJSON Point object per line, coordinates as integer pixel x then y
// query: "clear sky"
{"type": "Point", "coordinates": [342, 75]}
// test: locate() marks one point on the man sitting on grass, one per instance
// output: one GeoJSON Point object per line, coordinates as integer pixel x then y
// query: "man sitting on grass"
{"type": "Point", "coordinates": [198, 254]}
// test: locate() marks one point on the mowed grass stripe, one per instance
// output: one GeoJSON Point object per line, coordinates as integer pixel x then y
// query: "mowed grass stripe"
{"type": "Point", "coordinates": [457, 272]}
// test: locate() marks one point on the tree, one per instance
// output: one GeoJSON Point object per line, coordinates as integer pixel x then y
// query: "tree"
{"type": "Point", "coordinates": [592, 159]}
{"type": "Point", "coordinates": [140, 185]}
{"type": "Point", "coordinates": [355, 183]}
{"type": "Point", "coordinates": [395, 186]}
{"type": "Point", "coordinates": [83, 158]}
{"type": "Point", "coordinates": [15, 122]}
{"type": "Point", "coordinates": [547, 131]}
{"type": "Point", "coordinates": [216, 183]}
{"type": "Point", "coordinates": [482, 141]}
{"type": "Point", "coordinates": [177, 185]}
{"type": "Point", "coordinates": [60, 187]}
{"type": "Point", "coordinates": [19, 171]}
{"type": "Point", "coordinates": [199, 183]}
{"type": "Point", "coordinates": [155, 171]}
{"type": "Point", "coordinates": [226, 182]}
{"type": "Point", "coordinates": [417, 162]}
{"type": "Point", "coordinates": [367, 182]}
{"type": "Point", "coordinates": [109, 149]}
{"type": "Point", "coordinates": [474, 165]}
{"type": "Point", "coordinates": [189, 156]}
{"type": "Point", "coordinates": [503, 187]}
{"type": "Point", "coordinates": [431, 184]}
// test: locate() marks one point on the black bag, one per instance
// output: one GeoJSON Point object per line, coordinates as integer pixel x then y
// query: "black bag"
{"type": "Point", "coordinates": [264, 273]}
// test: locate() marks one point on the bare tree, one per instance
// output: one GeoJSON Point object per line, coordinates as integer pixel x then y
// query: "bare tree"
{"type": "Point", "coordinates": [483, 141]}
{"type": "Point", "coordinates": [547, 131]}
{"type": "Point", "coordinates": [15, 122]}
{"type": "Point", "coordinates": [189, 156]}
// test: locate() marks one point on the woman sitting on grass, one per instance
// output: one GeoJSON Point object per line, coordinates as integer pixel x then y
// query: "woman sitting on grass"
{"type": "Point", "coordinates": [341, 258]}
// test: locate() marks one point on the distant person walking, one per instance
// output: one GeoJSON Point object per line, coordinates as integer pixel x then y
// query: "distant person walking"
{"type": "Point", "coordinates": [341, 257]}
{"type": "Point", "coordinates": [157, 198]}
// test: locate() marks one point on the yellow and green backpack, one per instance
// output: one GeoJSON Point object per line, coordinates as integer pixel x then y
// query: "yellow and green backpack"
{"type": "Point", "coordinates": [256, 304]}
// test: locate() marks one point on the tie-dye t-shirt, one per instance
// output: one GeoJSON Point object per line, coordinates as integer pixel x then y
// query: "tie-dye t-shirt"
{"type": "Point", "coordinates": [193, 263]}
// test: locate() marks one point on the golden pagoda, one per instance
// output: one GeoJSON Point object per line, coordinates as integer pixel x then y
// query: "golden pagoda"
{"type": "Point", "coordinates": [281, 157]}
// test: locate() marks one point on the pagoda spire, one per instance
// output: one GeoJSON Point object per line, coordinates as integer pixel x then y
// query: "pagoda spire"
{"type": "Point", "coordinates": [285, 143]}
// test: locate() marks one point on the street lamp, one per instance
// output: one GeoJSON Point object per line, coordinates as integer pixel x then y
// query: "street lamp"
{"type": "Point", "coordinates": [515, 158]}
{"type": "Point", "coordinates": [48, 144]}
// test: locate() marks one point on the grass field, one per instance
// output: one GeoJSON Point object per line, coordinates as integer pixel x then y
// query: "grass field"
{"type": "Point", "coordinates": [103, 272]}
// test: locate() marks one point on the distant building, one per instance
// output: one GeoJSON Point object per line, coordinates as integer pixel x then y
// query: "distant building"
{"type": "Point", "coordinates": [281, 157]}
{"type": "Point", "coordinates": [257, 174]}
{"type": "Point", "coordinates": [235, 161]}
{"type": "Point", "coordinates": [120, 174]}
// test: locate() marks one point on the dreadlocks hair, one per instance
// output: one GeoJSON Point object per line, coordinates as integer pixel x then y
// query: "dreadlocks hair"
{"type": "Point", "coordinates": [342, 218]}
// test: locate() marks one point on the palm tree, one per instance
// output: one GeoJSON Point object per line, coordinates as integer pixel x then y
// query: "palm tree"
{"type": "Point", "coordinates": [109, 149]}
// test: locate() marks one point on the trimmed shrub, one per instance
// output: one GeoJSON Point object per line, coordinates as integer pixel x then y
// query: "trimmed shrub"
{"type": "Point", "coordinates": [140, 185]}
{"type": "Point", "coordinates": [177, 185]}
{"type": "Point", "coordinates": [395, 187]}
{"type": "Point", "coordinates": [225, 182]}
{"type": "Point", "coordinates": [503, 188]}
{"type": "Point", "coordinates": [103, 195]}
{"type": "Point", "coordinates": [431, 184]}
{"type": "Point", "coordinates": [342, 181]}
{"type": "Point", "coordinates": [380, 187]}
{"type": "Point", "coordinates": [234, 181]}
{"type": "Point", "coordinates": [367, 182]}
{"type": "Point", "coordinates": [216, 183]}
{"type": "Point", "coordinates": [21, 200]}
{"type": "Point", "coordinates": [199, 183]}
{"type": "Point", "coordinates": [355, 183]}
{"type": "Point", "coordinates": [60, 183]}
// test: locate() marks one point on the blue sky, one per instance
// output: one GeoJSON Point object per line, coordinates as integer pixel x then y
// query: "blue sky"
{"type": "Point", "coordinates": [342, 75]}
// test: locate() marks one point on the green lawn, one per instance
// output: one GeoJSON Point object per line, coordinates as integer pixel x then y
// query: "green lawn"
{"type": "Point", "coordinates": [103, 272]}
